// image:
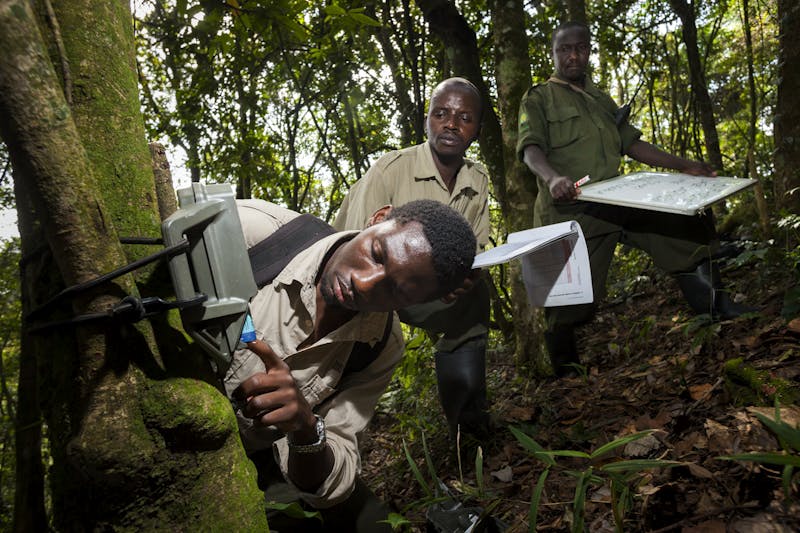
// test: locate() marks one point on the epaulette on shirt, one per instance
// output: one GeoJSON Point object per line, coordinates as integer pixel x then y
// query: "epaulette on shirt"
{"type": "Point", "coordinates": [534, 86]}
{"type": "Point", "coordinates": [387, 159]}
{"type": "Point", "coordinates": [474, 165]}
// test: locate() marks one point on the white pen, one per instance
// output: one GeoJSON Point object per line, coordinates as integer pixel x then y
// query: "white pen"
{"type": "Point", "coordinates": [584, 180]}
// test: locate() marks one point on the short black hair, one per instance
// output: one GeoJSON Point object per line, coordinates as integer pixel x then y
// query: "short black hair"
{"type": "Point", "coordinates": [568, 25]}
{"type": "Point", "coordinates": [451, 238]}
{"type": "Point", "coordinates": [463, 83]}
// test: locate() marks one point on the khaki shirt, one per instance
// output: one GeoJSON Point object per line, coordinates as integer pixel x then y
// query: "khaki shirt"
{"type": "Point", "coordinates": [575, 129]}
{"type": "Point", "coordinates": [283, 315]}
{"type": "Point", "coordinates": [410, 174]}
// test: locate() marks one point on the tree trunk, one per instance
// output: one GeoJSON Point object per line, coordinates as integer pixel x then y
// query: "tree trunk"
{"type": "Point", "coordinates": [513, 75]}
{"type": "Point", "coordinates": [752, 125]}
{"type": "Point", "coordinates": [787, 111]}
{"type": "Point", "coordinates": [461, 46]}
{"type": "Point", "coordinates": [686, 13]}
{"type": "Point", "coordinates": [577, 10]}
{"type": "Point", "coordinates": [134, 446]}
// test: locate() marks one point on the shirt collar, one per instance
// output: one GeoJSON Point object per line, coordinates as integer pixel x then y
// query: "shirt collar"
{"type": "Point", "coordinates": [425, 169]}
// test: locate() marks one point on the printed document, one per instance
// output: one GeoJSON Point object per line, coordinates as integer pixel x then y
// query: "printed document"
{"type": "Point", "coordinates": [555, 263]}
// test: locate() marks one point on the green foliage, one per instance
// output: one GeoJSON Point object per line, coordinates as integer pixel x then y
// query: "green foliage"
{"type": "Point", "coordinates": [789, 440]}
{"type": "Point", "coordinates": [397, 521]}
{"type": "Point", "coordinates": [293, 510]}
{"type": "Point", "coordinates": [9, 372]}
{"type": "Point", "coordinates": [412, 393]}
{"type": "Point", "coordinates": [702, 329]}
{"type": "Point", "coordinates": [748, 385]}
{"type": "Point", "coordinates": [629, 268]}
{"type": "Point", "coordinates": [620, 475]}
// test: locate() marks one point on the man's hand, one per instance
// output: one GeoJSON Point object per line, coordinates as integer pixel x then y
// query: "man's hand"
{"type": "Point", "coordinates": [469, 283]}
{"type": "Point", "coordinates": [698, 168]}
{"type": "Point", "coordinates": [272, 398]}
{"type": "Point", "coordinates": [562, 189]}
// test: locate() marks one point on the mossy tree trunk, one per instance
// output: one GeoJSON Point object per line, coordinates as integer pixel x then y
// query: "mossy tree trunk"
{"type": "Point", "coordinates": [140, 438]}
{"type": "Point", "coordinates": [513, 75]}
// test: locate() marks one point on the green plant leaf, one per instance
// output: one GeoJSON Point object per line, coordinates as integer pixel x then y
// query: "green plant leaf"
{"type": "Point", "coordinates": [579, 503]}
{"type": "Point", "coordinates": [335, 10]}
{"type": "Point", "coordinates": [568, 453]}
{"type": "Point", "coordinates": [774, 458]}
{"type": "Point", "coordinates": [532, 446]}
{"type": "Point", "coordinates": [416, 472]}
{"type": "Point", "coordinates": [533, 512]}
{"type": "Point", "coordinates": [622, 441]}
{"type": "Point", "coordinates": [364, 19]}
{"type": "Point", "coordinates": [637, 465]}
{"type": "Point", "coordinates": [293, 510]}
{"type": "Point", "coordinates": [396, 521]}
{"type": "Point", "coordinates": [786, 433]}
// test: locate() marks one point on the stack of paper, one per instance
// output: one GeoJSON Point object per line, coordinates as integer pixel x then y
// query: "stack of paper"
{"type": "Point", "coordinates": [555, 263]}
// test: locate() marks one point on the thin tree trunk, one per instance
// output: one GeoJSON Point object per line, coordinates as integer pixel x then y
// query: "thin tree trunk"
{"type": "Point", "coordinates": [685, 12]}
{"type": "Point", "coordinates": [761, 204]}
{"type": "Point", "coordinates": [787, 111]}
{"type": "Point", "coordinates": [513, 75]}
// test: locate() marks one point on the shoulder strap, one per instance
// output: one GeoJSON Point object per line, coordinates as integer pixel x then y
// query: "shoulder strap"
{"type": "Point", "coordinates": [270, 256]}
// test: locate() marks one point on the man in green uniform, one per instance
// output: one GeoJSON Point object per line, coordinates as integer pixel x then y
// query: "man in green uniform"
{"type": "Point", "coordinates": [568, 129]}
{"type": "Point", "coordinates": [438, 170]}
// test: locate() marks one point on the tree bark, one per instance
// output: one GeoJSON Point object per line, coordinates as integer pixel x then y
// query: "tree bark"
{"type": "Point", "coordinates": [685, 12]}
{"type": "Point", "coordinates": [513, 75]}
{"type": "Point", "coordinates": [787, 110]}
{"type": "Point", "coordinates": [134, 446]}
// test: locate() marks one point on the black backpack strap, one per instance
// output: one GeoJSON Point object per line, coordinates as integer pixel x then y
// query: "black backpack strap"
{"type": "Point", "coordinates": [270, 256]}
{"type": "Point", "coordinates": [363, 354]}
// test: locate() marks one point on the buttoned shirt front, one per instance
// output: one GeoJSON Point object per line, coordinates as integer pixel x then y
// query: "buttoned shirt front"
{"type": "Point", "coordinates": [575, 129]}
{"type": "Point", "coordinates": [402, 176]}
{"type": "Point", "coordinates": [283, 315]}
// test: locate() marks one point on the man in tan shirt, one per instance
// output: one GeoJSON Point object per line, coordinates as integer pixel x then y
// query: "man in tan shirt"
{"type": "Point", "coordinates": [437, 169]}
{"type": "Point", "coordinates": [296, 395]}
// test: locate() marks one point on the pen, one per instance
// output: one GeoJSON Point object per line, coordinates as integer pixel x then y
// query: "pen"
{"type": "Point", "coordinates": [584, 180]}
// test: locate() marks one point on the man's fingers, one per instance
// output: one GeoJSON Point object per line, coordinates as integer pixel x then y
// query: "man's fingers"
{"type": "Point", "coordinates": [266, 354]}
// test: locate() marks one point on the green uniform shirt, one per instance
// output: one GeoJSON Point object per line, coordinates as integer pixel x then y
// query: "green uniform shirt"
{"type": "Point", "coordinates": [575, 129]}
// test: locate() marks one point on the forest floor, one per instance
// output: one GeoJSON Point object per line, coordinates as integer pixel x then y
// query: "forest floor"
{"type": "Point", "coordinates": [649, 365]}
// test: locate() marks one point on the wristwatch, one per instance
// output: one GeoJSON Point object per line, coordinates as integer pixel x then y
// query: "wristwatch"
{"type": "Point", "coordinates": [313, 447]}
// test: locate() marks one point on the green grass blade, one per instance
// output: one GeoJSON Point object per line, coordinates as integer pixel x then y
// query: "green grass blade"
{"type": "Point", "coordinates": [622, 441]}
{"type": "Point", "coordinates": [533, 512]}
{"type": "Point", "coordinates": [532, 446]}
{"type": "Point", "coordinates": [637, 465]}
{"type": "Point", "coordinates": [774, 458]}
{"type": "Point", "coordinates": [416, 472]}
{"type": "Point", "coordinates": [785, 433]}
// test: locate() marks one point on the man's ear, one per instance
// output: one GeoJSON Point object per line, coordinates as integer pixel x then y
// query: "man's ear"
{"type": "Point", "coordinates": [379, 215]}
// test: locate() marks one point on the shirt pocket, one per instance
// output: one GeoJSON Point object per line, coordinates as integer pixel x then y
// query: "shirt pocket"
{"type": "Point", "coordinates": [316, 391]}
{"type": "Point", "coordinates": [564, 125]}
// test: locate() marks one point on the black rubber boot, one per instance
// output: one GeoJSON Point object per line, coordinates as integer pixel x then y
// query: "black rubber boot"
{"type": "Point", "coordinates": [461, 376]}
{"type": "Point", "coordinates": [563, 351]}
{"type": "Point", "coordinates": [703, 290]}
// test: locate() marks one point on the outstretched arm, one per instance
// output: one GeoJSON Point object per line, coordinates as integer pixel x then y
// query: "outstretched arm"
{"type": "Point", "coordinates": [562, 188]}
{"type": "Point", "coordinates": [651, 155]}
